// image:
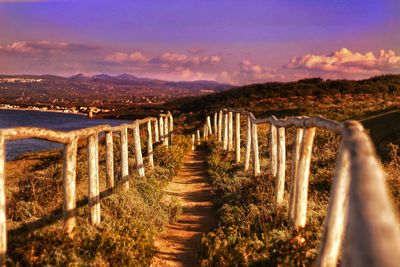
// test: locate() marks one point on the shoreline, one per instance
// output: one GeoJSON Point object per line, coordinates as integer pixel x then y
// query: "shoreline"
{"type": "Point", "coordinates": [41, 110]}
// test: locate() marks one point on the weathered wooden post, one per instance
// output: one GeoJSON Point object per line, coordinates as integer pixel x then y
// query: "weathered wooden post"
{"type": "Point", "coordinates": [295, 165]}
{"type": "Point", "coordinates": [256, 157]}
{"type": "Point", "coordinates": [248, 145]}
{"type": "Point", "coordinates": [156, 131]}
{"type": "Point", "coordinates": [280, 178]}
{"type": "Point", "coordinates": [273, 146]}
{"type": "Point", "coordinates": [161, 125]}
{"type": "Point", "coordinates": [198, 137]}
{"type": "Point", "coordinates": [150, 144]}
{"type": "Point", "coordinates": [94, 195]}
{"type": "Point", "coordinates": [237, 137]}
{"type": "Point", "coordinates": [171, 128]}
{"type": "Point", "coordinates": [209, 126]}
{"type": "Point", "coordinates": [216, 124]}
{"type": "Point", "coordinates": [124, 157]}
{"type": "Point", "coordinates": [336, 216]}
{"type": "Point", "coordinates": [138, 150]}
{"type": "Point", "coordinates": [69, 185]}
{"type": "Point", "coordinates": [166, 133]}
{"type": "Point", "coordinates": [220, 126]}
{"type": "Point", "coordinates": [230, 131]}
{"type": "Point", "coordinates": [193, 142]}
{"type": "Point", "coordinates": [205, 132]}
{"type": "Point", "coordinates": [225, 138]}
{"type": "Point", "coordinates": [300, 202]}
{"type": "Point", "coordinates": [109, 160]}
{"type": "Point", "coordinates": [3, 216]}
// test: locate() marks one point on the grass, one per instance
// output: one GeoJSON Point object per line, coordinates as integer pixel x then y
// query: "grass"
{"type": "Point", "coordinates": [129, 219]}
{"type": "Point", "coordinates": [251, 231]}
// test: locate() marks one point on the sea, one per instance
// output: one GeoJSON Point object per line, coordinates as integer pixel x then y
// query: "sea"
{"type": "Point", "coordinates": [50, 120]}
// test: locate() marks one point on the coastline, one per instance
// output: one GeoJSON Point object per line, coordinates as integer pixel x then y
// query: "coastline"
{"type": "Point", "coordinates": [41, 110]}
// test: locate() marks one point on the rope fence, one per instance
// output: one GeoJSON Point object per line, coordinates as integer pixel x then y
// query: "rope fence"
{"type": "Point", "coordinates": [360, 221]}
{"type": "Point", "coordinates": [163, 129]}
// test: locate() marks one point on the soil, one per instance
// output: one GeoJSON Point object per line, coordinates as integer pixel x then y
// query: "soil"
{"type": "Point", "coordinates": [180, 243]}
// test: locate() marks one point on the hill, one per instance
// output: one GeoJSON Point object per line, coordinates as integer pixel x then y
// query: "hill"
{"type": "Point", "coordinates": [317, 87]}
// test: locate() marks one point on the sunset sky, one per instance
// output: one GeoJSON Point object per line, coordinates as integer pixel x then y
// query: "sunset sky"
{"type": "Point", "coordinates": [229, 41]}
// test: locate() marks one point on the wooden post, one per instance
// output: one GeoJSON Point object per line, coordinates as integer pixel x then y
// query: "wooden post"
{"type": "Point", "coordinates": [138, 151]}
{"type": "Point", "coordinates": [69, 185]}
{"type": "Point", "coordinates": [3, 216]}
{"type": "Point", "coordinates": [150, 144]}
{"type": "Point", "coordinates": [161, 125]}
{"type": "Point", "coordinates": [205, 132]}
{"type": "Point", "coordinates": [372, 236]}
{"type": "Point", "coordinates": [230, 131]}
{"type": "Point", "coordinates": [220, 126]}
{"type": "Point", "coordinates": [209, 126]}
{"type": "Point", "coordinates": [295, 165]}
{"type": "Point", "coordinates": [273, 146]}
{"type": "Point", "coordinates": [198, 137]}
{"type": "Point", "coordinates": [171, 129]}
{"type": "Point", "coordinates": [94, 195]}
{"type": "Point", "coordinates": [109, 160]}
{"type": "Point", "coordinates": [124, 157]}
{"type": "Point", "coordinates": [248, 145]}
{"type": "Point", "coordinates": [256, 157]}
{"type": "Point", "coordinates": [225, 138]}
{"type": "Point", "coordinates": [216, 124]}
{"type": "Point", "coordinates": [237, 137]}
{"type": "Point", "coordinates": [193, 141]}
{"type": "Point", "coordinates": [300, 202]}
{"type": "Point", "coordinates": [336, 216]}
{"type": "Point", "coordinates": [166, 133]}
{"type": "Point", "coordinates": [156, 132]}
{"type": "Point", "coordinates": [280, 178]}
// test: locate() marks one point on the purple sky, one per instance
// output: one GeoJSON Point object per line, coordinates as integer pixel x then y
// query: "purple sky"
{"type": "Point", "coordinates": [230, 41]}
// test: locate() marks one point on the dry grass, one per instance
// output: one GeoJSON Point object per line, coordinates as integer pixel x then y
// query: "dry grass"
{"type": "Point", "coordinates": [130, 219]}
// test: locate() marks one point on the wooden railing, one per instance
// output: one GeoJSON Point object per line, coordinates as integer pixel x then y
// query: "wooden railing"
{"type": "Point", "coordinates": [360, 216]}
{"type": "Point", "coordinates": [163, 128]}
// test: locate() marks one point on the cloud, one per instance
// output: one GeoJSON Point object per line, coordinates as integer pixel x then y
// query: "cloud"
{"type": "Point", "coordinates": [44, 47]}
{"type": "Point", "coordinates": [119, 57]}
{"type": "Point", "coordinates": [185, 60]}
{"type": "Point", "coordinates": [195, 50]}
{"type": "Point", "coordinates": [346, 61]}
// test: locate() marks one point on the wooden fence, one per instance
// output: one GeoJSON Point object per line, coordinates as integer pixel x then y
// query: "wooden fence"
{"type": "Point", "coordinates": [163, 128]}
{"type": "Point", "coordinates": [360, 220]}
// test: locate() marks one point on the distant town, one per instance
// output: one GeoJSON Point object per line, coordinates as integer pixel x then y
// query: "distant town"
{"type": "Point", "coordinates": [98, 94]}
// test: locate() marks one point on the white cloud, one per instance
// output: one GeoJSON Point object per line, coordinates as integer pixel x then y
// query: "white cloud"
{"type": "Point", "coordinates": [43, 47]}
{"type": "Point", "coordinates": [133, 57]}
{"type": "Point", "coordinates": [346, 61]}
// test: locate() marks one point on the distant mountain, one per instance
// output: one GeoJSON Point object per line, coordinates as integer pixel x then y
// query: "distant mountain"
{"type": "Point", "coordinates": [100, 89]}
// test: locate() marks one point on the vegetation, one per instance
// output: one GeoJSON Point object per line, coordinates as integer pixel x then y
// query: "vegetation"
{"type": "Point", "coordinates": [251, 232]}
{"type": "Point", "coordinates": [334, 99]}
{"type": "Point", "coordinates": [130, 219]}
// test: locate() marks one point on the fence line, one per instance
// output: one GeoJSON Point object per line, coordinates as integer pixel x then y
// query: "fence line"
{"type": "Point", "coordinates": [162, 132]}
{"type": "Point", "coordinates": [360, 215]}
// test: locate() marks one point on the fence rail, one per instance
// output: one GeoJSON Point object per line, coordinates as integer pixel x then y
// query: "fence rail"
{"type": "Point", "coordinates": [163, 129]}
{"type": "Point", "coordinates": [360, 218]}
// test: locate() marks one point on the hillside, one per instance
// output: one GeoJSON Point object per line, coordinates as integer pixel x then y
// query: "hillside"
{"type": "Point", "coordinates": [334, 99]}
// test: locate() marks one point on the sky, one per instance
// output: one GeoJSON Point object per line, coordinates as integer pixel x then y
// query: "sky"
{"type": "Point", "coordinates": [229, 41]}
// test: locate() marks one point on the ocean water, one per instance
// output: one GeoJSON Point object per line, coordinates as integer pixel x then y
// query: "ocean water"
{"type": "Point", "coordinates": [50, 120]}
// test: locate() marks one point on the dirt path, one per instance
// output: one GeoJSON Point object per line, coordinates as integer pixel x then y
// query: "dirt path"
{"type": "Point", "coordinates": [179, 244]}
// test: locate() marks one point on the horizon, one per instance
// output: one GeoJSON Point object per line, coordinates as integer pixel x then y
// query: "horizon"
{"type": "Point", "coordinates": [229, 42]}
